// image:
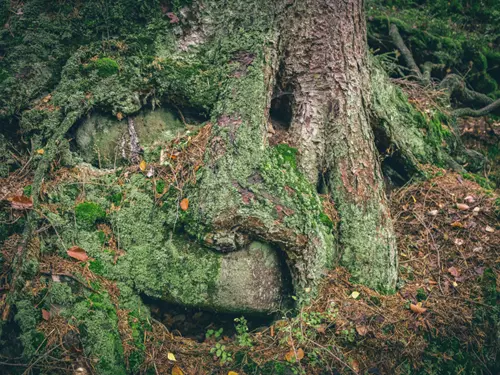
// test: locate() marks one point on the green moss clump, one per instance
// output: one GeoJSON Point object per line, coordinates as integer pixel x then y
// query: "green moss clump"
{"type": "Point", "coordinates": [106, 67]}
{"type": "Point", "coordinates": [160, 186]}
{"type": "Point", "coordinates": [87, 213]}
{"type": "Point", "coordinates": [116, 198]}
{"type": "Point", "coordinates": [27, 190]}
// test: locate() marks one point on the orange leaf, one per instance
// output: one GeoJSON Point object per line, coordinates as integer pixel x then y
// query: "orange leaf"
{"type": "Point", "coordinates": [417, 309]}
{"type": "Point", "coordinates": [462, 207]}
{"type": "Point", "coordinates": [177, 371]}
{"type": "Point", "coordinates": [77, 253]}
{"type": "Point", "coordinates": [293, 356]}
{"type": "Point", "coordinates": [119, 116]}
{"type": "Point", "coordinates": [457, 224]}
{"type": "Point", "coordinates": [40, 151]}
{"type": "Point", "coordinates": [45, 314]}
{"type": "Point", "coordinates": [184, 204]}
{"type": "Point", "coordinates": [21, 202]}
{"type": "Point", "coordinates": [142, 165]}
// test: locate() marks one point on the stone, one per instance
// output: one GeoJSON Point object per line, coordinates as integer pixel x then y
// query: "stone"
{"type": "Point", "coordinates": [105, 141]}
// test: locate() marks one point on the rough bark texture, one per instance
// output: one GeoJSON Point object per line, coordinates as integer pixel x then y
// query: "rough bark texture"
{"type": "Point", "coordinates": [326, 65]}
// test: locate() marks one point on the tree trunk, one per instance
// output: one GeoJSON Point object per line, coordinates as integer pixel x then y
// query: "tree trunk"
{"type": "Point", "coordinates": [326, 68]}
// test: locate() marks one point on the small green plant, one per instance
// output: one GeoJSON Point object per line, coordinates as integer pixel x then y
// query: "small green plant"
{"type": "Point", "coordinates": [213, 333]}
{"type": "Point", "coordinates": [219, 351]}
{"type": "Point", "coordinates": [89, 212]}
{"type": "Point", "coordinates": [242, 334]}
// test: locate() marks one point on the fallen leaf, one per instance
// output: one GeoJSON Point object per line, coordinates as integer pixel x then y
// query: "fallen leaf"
{"type": "Point", "coordinates": [469, 199]}
{"type": "Point", "coordinates": [321, 329]}
{"type": "Point", "coordinates": [119, 116]}
{"type": "Point", "coordinates": [361, 330]}
{"type": "Point", "coordinates": [459, 242]}
{"type": "Point", "coordinates": [476, 210]}
{"type": "Point", "coordinates": [354, 294]}
{"type": "Point", "coordinates": [171, 356]}
{"type": "Point", "coordinates": [176, 370]}
{"type": "Point", "coordinates": [77, 252]}
{"type": "Point", "coordinates": [40, 151]}
{"type": "Point", "coordinates": [454, 272]}
{"type": "Point", "coordinates": [355, 366]}
{"type": "Point", "coordinates": [292, 356]}
{"type": "Point", "coordinates": [45, 314]}
{"type": "Point", "coordinates": [433, 212]}
{"type": "Point", "coordinates": [184, 204]}
{"type": "Point", "coordinates": [232, 373]}
{"type": "Point", "coordinates": [489, 229]}
{"type": "Point", "coordinates": [142, 165]}
{"type": "Point", "coordinates": [417, 309]}
{"type": "Point", "coordinates": [21, 202]}
{"type": "Point", "coordinates": [457, 224]}
{"type": "Point", "coordinates": [462, 206]}
{"type": "Point", "coordinates": [272, 331]}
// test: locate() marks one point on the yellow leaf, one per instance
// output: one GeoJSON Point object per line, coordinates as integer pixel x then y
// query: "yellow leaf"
{"type": "Point", "coordinates": [184, 204]}
{"type": "Point", "coordinates": [232, 373]}
{"type": "Point", "coordinates": [171, 356]}
{"type": "Point", "coordinates": [177, 371]}
{"type": "Point", "coordinates": [143, 165]}
{"type": "Point", "coordinates": [40, 151]}
{"type": "Point", "coordinates": [354, 295]}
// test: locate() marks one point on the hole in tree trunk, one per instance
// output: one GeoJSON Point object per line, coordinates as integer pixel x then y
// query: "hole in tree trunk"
{"type": "Point", "coordinates": [281, 111]}
{"type": "Point", "coordinates": [194, 322]}
{"type": "Point", "coordinates": [393, 165]}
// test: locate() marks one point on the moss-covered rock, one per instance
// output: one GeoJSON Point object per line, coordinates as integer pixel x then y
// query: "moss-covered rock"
{"type": "Point", "coordinates": [104, 141]}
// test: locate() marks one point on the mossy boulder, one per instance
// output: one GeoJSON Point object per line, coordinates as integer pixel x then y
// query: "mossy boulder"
{"type": "Point", "coordinates": [104, 141]}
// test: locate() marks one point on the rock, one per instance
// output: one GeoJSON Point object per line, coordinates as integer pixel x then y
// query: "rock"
{"type": "Point", "coordinates": [106, 142]}
{"type": "Point", "coordinates": [259, 286]}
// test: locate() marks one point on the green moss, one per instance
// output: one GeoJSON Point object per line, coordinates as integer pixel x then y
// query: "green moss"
{"type": "Point", "coordinates": [481, 181]}
{"type": "Point", "coordinates": [105, 67]}
{"type": "Point", "coordinates": [160, 186]}
{"type": "Point", "coordinates": [88, 213]}
{"type": "Point", "coordinates": [116, 198]}
{"type": "Point", "coordinates": [27, 190]}
{"type": "Point", "coordinates": [60, 293]}
{"type": "Point", "coordinates": [287, 155]}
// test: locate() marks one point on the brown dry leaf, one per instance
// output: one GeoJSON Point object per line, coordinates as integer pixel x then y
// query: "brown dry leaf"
{"type": "Point", "coordinates": [45, 314]}
{"type": "Point", "coordinates": [142, 165]}
{"type": "Point", "coordinates": [454, 272]}
{"type": "Point", "coordinates": [119, 116]}
{"type": "Point", "coordinates": [21, 202]}
{"type": "Point", "coordinates": [177, 371]}
{"type": "Point", "coordinates": [462, 206]}
{"type": "Point", "coordinates": [457, 224]}
{"type": "Point", "coordinates": [362, 330]}
{"type": "Point", "coordinates": [321, 329]}
{"type": "Point", "coordinates": [355, 366]}
{"type": "Point", "coordinates": [417, 309]}
{"type": "Point", "coordinates": [184, 204]}
{"type": "Point", "coordinates": [77, 252]}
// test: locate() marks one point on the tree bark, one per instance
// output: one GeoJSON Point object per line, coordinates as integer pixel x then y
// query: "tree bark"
{"type": "Point", "coordinates": [326, 67]}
